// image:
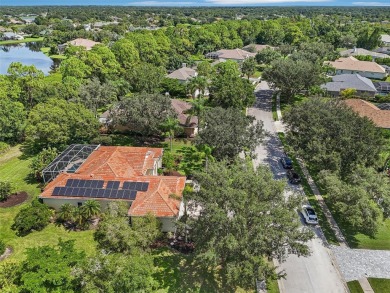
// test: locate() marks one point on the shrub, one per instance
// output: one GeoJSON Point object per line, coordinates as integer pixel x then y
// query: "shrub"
{"type": "Point", "coordinates": [3, 147]}
{"type": "Point", "coordinates": [5, 190]}
{"type": "Point", "coordinates": [34, 217]}
{"type": "Point", "coordinates": [2, 247]}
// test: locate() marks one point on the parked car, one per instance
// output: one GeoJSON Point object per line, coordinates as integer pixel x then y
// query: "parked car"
{"type": "Point", "coordinates": [286, 162]}
{"type": "Point", "coordinates": [309, 214]}
{"type": "Point", "coordinates": [293, 177]}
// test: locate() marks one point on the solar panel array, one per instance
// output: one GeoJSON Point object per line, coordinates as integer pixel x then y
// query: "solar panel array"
{"type": "Point", "coordinates": [94, 189]}
{"type": "Point", "coordinates": [95, 193]}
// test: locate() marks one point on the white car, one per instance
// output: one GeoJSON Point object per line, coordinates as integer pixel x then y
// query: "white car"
{"type": "Point", "coordinates": [309, 214]}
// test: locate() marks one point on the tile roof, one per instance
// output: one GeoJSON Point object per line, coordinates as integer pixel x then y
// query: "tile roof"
{"type": "Point", "coordinates": [381, 118]}
{"type": "Point", "coordinates": [180, 108]}
{"type": "Point", "coordinates": [236, 54]}
{"type": "Point", "coordinates": [362, 52]}
{"type": "Point", "coordinates": [162, 198]}
{"type": "Point", "coordinates": [351, 63]}
{"type": "Point", "coordinates": [119, 161]}
{"type": "Point", "coordinates": [345, 81]}
{"type": "Point", "coordinates": [184, 73]}
{"type": "Point", "coordinates": [87, 44]}
{"type": "Point", "coordinates": [258, 48]}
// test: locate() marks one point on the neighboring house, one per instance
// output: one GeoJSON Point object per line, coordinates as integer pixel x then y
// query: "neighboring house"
{"type": "Point", "coordinates": [381, 118]}
{"type": "Point", "coordinates": [237, 55]}
{"type": "Point", "coordinates": [11, 36]}
{"type": "Point", "coordinates": [256, 47]}
{"type": "Point", "coordinates": [183, 74]}
{"type": "Point", "coordinates": [87, 44]}
{"type": "Point", "coordinates": [188, 122]}
{"type": "Point", "coordinates": [362, 85]}
{"type": "Point", "coordinates": [383, 50]}
{"type": "Point", "coordinates": [129, 174]}
{"type": "Point", "coordinates": [385, 40]}
{"type": "Point", "coordinates": [362, 52]}
{"type": "Point", "coordinates": [383, 87]}
{"type": "Point", "coordinates": [350, 65]}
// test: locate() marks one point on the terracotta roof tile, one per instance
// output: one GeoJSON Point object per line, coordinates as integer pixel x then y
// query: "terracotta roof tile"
{"type": "Point", "coordinates": [381, 118]}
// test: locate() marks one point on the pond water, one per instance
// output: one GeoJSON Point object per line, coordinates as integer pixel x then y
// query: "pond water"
{"type": "Point", "coordinates": [27, 54]}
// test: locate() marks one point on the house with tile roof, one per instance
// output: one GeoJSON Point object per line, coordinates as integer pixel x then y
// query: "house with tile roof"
{"type": "Point", "coordinates": [127, 174]}
{"type": "Point", "coordinates": [188, 122]}
{"type": "Point", "coordinates": [87, 44]}
{"type": "Point", "coordinates": [183, 74]}
{"type": "Point", "coordinates": [255, 48]}
{"type": "Point", "coordinates": [381, 118]}
{"type": "Point", "coordinates": [350, 65]}
{"type": "Point", "coordinates": [362, 85]}
{"type": "Point", "coordinates": [237, 55]}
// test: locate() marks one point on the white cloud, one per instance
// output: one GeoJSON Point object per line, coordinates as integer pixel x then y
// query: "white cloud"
{"type": "Point", "coordinates": [371, 4]}
{"type": "Point", "coordinates": [254, 2]}
{"type": "Point", "coordinates": [162, 3]}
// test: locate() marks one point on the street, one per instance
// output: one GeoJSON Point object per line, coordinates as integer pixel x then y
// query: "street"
{"type": "Point", "coordinates": [313, 274]}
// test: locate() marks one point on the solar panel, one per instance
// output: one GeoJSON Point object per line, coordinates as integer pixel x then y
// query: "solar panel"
{"type": "Point", "coordinates": [68, 191]}
{"type": "Point", "coordinates": [133, 194]}
{"type": "Point", "coordinates": [100, 193]}
{"type": "Point", "coordinates": [76, 191]}
{"type": "Point", "coordinates": [129, 185]}
{"type": "Point", "coordinates": [113, 184]}
{"type": "Point", "coordinates": [138, 186]}
{"type": "Point", "coordinates": [113, 193]}
{"type": "Point", "coordinates": [69, 182]}
{"type": "Point", "coordinates": [56, 191]}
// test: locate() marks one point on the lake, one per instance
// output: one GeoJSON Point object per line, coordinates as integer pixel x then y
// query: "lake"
{"type": "Point", "coordinates": [27, 54]}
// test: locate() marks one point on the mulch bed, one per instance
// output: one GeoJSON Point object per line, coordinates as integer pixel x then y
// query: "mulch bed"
{"type": "Point", "coordinates": [14, 200]}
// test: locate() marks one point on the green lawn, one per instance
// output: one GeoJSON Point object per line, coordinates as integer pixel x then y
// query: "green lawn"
{"type": "Point", "coordinates": [380, 285]}
{"type": "Point", "coordinates": [14, 167]}
{"type": "Point", "coordinates": [26, 40]}
{"type": "Point", "coordinates": [354, 287]}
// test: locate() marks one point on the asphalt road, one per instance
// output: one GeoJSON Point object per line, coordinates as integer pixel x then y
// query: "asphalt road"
{"type": "Point", "coordinates": [315, 273]}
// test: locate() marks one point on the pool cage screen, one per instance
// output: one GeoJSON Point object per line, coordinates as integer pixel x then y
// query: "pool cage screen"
{"type": "Point", "coordinates": [68, 161]}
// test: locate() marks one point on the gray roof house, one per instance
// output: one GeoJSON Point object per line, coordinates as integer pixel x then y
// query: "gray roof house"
{"type": "Point", "coordinates": [362, 52]}
{"type": "Point", "coordinates": [363, 86]}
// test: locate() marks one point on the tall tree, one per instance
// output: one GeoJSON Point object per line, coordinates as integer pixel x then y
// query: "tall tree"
{"type": "Point", "coordinates": [57, 123]}
{"type": "Point", "coordinates": [229, 132]}
{"type": "Point", "coordinates": [291, 77]}
{"type": "Point", "coordinates": [144, 113]}
{"type": "Point", "coordinates": [330, 136]}
{"type": "Point", "coordinates": [170, 127]}
{"type": "Point", "coordinates": [49, 269]}
{"type": "Point", "coordinates": [245, 219]}
{"type": "Point", "coordinates": [248, 67]}
{"type": "Point", "coordinates": [125, 53]}
{"type": "Point", "coordinates": [228, 89]}
{"type": "Point", "coordinates": [12, 120]}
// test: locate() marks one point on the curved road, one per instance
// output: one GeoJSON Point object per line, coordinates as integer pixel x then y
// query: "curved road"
{"type": "Point", "coordinates": [316, 273]}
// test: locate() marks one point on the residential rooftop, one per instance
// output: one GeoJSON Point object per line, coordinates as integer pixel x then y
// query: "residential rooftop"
{"type": "Point", "coordinates": [381, 118]}
{"type": "Point", "coordinates": [351, 63]}
{"type": "Point", "coordinates": [346, 81]}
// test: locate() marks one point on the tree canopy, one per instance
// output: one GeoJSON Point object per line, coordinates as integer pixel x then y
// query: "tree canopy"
{"type": "Point", "coordinates": [229, 132]}
{"type": "Point", "coordinates": [58, 123]}
{"type": "Point", "coordinates": [244, 220]}
{"type": "Point", "coordinates": [330, 136]}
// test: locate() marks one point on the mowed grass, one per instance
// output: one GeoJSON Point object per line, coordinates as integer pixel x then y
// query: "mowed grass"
{"type": "Point", "coordinates": [380, 285]}
{"type": "Point", "coordinates": [15, 168]}
{"type": "Point", "coordinates": [26, 40]}
{"type": "Point", "coordinates": [354, 287]}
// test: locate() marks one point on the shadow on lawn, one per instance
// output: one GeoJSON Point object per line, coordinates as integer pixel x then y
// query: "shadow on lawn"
{"type": "Point", "coordinates": [180, 273]}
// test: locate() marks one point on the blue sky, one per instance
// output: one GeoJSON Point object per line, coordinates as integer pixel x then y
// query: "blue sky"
{"type": "Point", "coordinates": [200, 2]}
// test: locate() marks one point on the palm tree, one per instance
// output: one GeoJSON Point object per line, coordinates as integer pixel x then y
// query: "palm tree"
{"type": "Point", "coordinates": [197, 83]}
{"type": "Point", "coordinates": [207, 154]}
{"type": "Point", "coordinates": [90, 208]}
{"type": "Point", "coordinates": [78, 217]}
{"type": "Point", "coordinates": [66, 212]}
{"type": "Point", "coordinates": [170, 126]}
{"type": "Point", "coordinates": [197, 108]}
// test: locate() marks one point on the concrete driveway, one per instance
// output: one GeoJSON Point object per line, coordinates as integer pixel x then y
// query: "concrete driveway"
{"type": "Point", "coordinates": [316, 273]}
